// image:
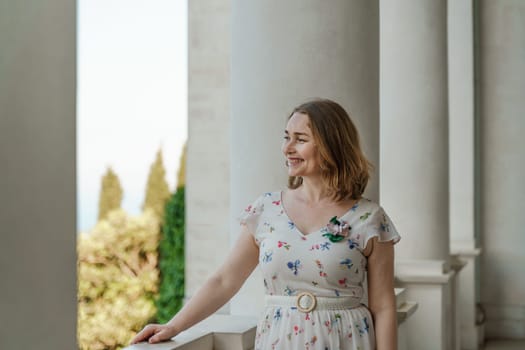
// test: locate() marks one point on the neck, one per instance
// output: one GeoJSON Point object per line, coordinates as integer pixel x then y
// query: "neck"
{"type": "Point", "coordinates": [313, 191]}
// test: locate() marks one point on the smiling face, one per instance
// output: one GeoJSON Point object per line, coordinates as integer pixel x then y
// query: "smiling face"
{"type": "Point", "coordinates": [299, 147]}
{"type": "Point", "coordinates": [322, 142]}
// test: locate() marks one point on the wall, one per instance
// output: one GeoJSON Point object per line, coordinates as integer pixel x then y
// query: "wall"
{"type": "Point", "coordinates": [37, 185]}
{"type": "Point", "coordinates": [501, 92]}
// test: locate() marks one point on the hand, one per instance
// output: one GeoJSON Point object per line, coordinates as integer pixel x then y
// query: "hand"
{"type": "Point", "coordinates": [154, 333]}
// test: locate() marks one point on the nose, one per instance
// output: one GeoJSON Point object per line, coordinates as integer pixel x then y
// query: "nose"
{"type": "Point", "coordinates": [287, 146]}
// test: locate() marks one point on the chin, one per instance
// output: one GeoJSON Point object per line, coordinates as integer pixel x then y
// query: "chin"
{"type": "Point", "coordinates": [294, 172]}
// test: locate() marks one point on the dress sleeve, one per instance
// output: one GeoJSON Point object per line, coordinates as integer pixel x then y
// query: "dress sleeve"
{"type": "Point", "coordinates": [249, 217]}
{"type": "Point", "coordinates": [380, 225]}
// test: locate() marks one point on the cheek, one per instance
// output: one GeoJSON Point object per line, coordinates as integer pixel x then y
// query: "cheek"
{"type": "Point", "coordinates": [312, 154]}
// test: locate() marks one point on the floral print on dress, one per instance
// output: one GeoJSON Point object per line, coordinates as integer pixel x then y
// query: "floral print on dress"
{"type": "Point", "coordinates": [267, 256]}
{"type": "Point", "coordinates": [294, 266]}
{"type": "Point", "coordinates": [321, 246]}
{"type": "Point", "coordinates": [292, 262]}
{"type": "Point", "coordinates": [284, 245]}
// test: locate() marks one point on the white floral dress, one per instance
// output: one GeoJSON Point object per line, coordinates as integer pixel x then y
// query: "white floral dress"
{"type": "Point", "coordinates": [292, 262]}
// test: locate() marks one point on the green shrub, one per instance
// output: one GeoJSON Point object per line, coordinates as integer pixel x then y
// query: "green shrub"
{"type": "Point", "coordinates": [171, 259]}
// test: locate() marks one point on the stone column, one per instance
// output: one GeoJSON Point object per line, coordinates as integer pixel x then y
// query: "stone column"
{"type": "Point", "coordinates": [461, 124]}
{"type": "Point", "coordinates": [464, 240]}
{"type": "Point", "coordinates": [282, 54]}
{"type": "Point", "coordinates": [414, 139]}
{"type": "Point", "coordinates": [208, 161]}
{"type": "Point", "coordinates": [38, 290]}
{"type": "Point", "coordinates": [414, 160]}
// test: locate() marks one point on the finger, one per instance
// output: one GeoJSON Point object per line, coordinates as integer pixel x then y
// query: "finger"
{"type": "Point", "coordinates": [160, 336]}
{"type": "Point", "coordinates": [143, 335]}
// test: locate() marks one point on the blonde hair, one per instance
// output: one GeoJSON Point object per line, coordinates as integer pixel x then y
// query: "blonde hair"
{"type": "Point", "coordinates": [345, 169]}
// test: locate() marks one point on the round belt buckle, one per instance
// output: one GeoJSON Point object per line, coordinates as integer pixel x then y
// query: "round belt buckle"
{"type": "Point", "coordinates": [311, 303]}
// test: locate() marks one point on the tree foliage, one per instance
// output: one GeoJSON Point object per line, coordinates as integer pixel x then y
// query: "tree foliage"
{"type": "Point", "coordinates": [117, 279]}
{"type": "Point", "coordinates": [157, 190]}
{"type": "Point", "coordinates": [181, 175]}
{"type": "Point", "coordinates": [171, 254]}
{"type": "Point", "coordinates": [124, 272]}
{"type": "Point", "coordinates": [110, 194]}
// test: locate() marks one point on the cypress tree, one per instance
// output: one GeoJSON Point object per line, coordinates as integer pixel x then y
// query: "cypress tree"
{"type": "Point", "coordinates": [171, 259]}
{"type": "Point", "coordinates": [171, 251]}
{"type": "Point", "coordinates": [110, 194]}
{"type": "Point", "coordinates": [157, 191]}
{"type": "Point", "coordinates": [181, 175]}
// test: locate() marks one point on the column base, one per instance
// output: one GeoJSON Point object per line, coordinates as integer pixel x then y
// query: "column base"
{"type": "Point", "coordinates": [471, 334]}
{"type": "Point", "coordinates": [431, 285]}
{"type": "Point", "coordinates": [405, 309]}
{"type": "Point", "coordinates": [472, 338]}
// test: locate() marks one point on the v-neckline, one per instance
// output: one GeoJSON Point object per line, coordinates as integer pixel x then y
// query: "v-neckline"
{"type": "Point", "coordinates": [352, 209]}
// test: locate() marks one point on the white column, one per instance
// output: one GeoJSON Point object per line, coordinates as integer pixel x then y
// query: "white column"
{"type": "Point", "coordinates": [38, 290]}
{"type": "Point", "coordinates": [462, 142]}
{"type": "Point", "coordinates": [414, 139]}
{"type": "Point", "coordinates": [502, 102]}
{"type": "Point", "coordinates": [208, 161]}
{"type": "Point", "coordinates": [414, 160]}
{"type": "Point", "coordinates": [461, 124]}
{"type": "Point", "coordinates": [284, 52]}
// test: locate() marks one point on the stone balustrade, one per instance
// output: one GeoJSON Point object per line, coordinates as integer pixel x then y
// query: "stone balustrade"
{"type": "Point", "coordinates": [230, 332]}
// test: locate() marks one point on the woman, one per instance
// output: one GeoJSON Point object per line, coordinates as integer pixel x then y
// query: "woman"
{"type": "Point", "coordinates": [313, 242]}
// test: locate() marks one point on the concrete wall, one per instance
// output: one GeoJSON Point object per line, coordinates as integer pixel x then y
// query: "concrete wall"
{"type": "Point", "coordinates": [208, 162]}
{"type": "Point", "coordinates": [37, 183]}
{"type": "Point", "coordinates": [502, 105]}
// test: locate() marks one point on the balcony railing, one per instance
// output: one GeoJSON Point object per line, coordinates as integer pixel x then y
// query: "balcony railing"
{"type": "Point", "coordinates": [230, 332]}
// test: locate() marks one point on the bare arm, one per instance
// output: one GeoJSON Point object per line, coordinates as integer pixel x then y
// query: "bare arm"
{"type": "Point", "coordinates": [215, 292]}
{"type": "Point", "coordinates": [381, 298]}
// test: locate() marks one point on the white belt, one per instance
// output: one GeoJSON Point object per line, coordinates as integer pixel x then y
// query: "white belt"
{"type": "Point", "coordinates": [306, 302]}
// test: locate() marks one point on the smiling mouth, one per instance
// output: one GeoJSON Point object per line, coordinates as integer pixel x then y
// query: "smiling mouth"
{"type": "Point", "coordinates": [294, 161]}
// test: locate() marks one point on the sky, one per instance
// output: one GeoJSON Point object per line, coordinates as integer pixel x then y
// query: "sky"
{"type": "Point", "coordinates": [131, 96]}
